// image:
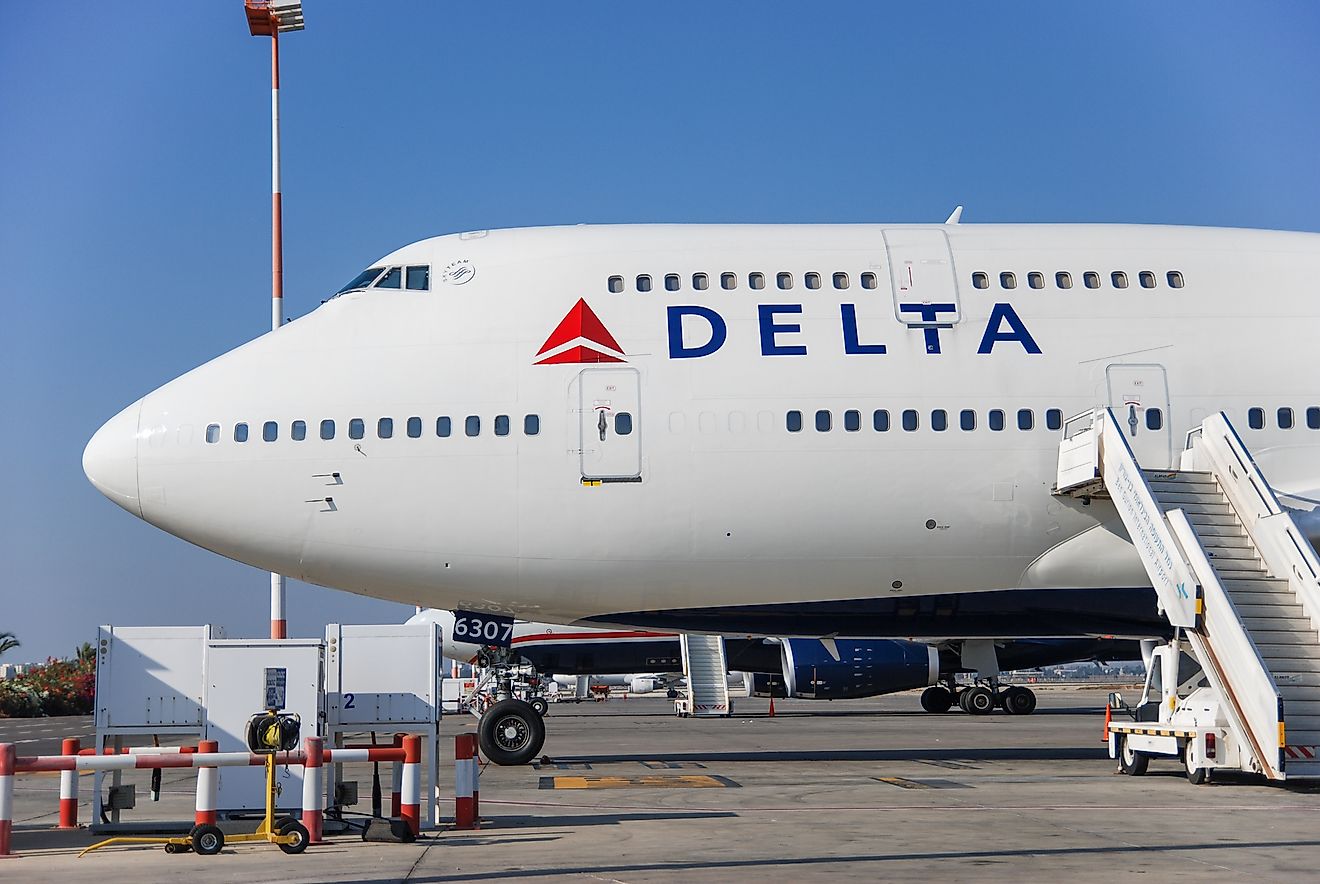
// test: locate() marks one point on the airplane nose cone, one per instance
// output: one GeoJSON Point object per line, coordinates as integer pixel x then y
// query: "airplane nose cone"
{"type": "Point", "coordinates": [110, 459]}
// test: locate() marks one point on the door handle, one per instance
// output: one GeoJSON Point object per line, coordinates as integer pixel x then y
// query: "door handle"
{"type": "Point", "coordinates": [1132, 419]}
{"type": "Point", "coordinates": [601, 425]}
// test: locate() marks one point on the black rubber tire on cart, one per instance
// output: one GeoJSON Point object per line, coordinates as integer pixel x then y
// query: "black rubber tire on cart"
{"type": "Point", "coordinates": [978, 701]}
{"type": "Point", "coordinates": [511, 733]}
{"type": "Point", "coordinates": [290, 826]}
{"type": "Point", "coordinates": [1197, 776]}
{"type": "Point", "coordinates": [1018, 700]}
{"type": "Point", "coordinates": [207, 840]}
{"type": "Point", "coordinates": [1130, 761]}
{"type": "Point", "coordinates": [937, 699]}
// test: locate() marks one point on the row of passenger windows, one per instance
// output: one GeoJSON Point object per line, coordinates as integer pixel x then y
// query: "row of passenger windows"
{"type": "Point", "coordinates": [1091, 279]}
{"type": "Point", "coordinates": [728, 280]}
{"type": "Point", "coordinates": [1284, 418]}
{"type": "Point", "coordinates": [910, 420]}
{"type": "Point", "coordinates": [357, 428]}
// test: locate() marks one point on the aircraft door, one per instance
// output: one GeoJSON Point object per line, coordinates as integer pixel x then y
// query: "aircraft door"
{"type": "Point", "coordinates": [1139, 396]}
{"type": "Point", "coordinates": [921, 272]}
{"type": "Point", "coordinates": [610, 424]}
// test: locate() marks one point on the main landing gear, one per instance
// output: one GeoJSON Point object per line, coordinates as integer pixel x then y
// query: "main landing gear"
{"type": "Point", "coordinates": [510, 730]}
{"type": "Point", "coordinates": [980, 698]}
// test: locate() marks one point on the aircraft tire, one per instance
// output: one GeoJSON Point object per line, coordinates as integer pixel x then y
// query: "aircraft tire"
{"type": "Point", "coordinates": [1130, 761]}
{"type": "Point", "coordinates": [978, 701]}
{"type": "Point", "coordinates": [511, 733]}
{"type": "Point", "coordinates": [937, 699]}
{"type": "Point", "coordinates": [1018, 700]}
{"type": "Point", "coordinates": [540, 706]}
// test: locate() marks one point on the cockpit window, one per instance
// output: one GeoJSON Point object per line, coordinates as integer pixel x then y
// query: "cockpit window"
{"type": "Point", "coordinates": [391, 280]}
{"type": "Point", "coordinates": [419, 278]}
{"type": "Point", "coordinates": [362, 280]}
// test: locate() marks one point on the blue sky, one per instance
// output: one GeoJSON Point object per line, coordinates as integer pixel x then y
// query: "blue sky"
{"type": "Point", "coordinates": [134, 185]}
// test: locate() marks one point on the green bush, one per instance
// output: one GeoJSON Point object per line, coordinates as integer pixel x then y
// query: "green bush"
{"type": "Point", "coordinates": [57, 687]}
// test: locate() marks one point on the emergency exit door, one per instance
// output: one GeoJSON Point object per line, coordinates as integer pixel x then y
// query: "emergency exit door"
{"type": "Point", "coordinates": [1139, 397]}
{"type": "Point", "coordinates": [921, 273]}
{"type": "Point", "coordinates": [610, 424]}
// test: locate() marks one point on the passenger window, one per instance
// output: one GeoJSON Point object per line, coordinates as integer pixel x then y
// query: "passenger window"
{"type": "Point", "coordinates": [852, 420]}
{"type": "Point", "coordinates": [419, 278]}
{"type": "Point", "coordinates": [728, 281]}
{"type": "Point", "coordinates": [212, 433]}
{"type": "Point", "coordinates": [1147, 279]}
{"type": "Point", "coordinates": [472, 425]}
{"type": "Point", "coordinates": [270, 431]}
{"type": "Point", "coordinates": [671, 282]}
{"type": "Point", "coordinates": [1154, 419]}
{"type": "Point", "coordinates": [356, 428]}
{"type": "Point", "coordinates": [1036, 279]}
{"type": "Point", "coordinates": [995, 419]}
{"type": "Point", "coordinates": [1175, 279]}
{"type": "Point", "coordinates": [1054, 419]}
{"type": "Point", "coordinates": [391, 280]}
{"type": "Point", "coordinates": [756, 280]}
{"type": "Point", "coordinates": [700, 282]}
{"type": "Point", "coordinates": [240, 432]}
{"type": "Point", "coordinates": [298, 432]}
{"type": "Point", "coordinates": [443, 427]}
{"type": "Point", "coordinates": [1256, 418]}
{"type": "Point", "coordinates": [784, 280]}
{"type": "Point", "coordinates": [643, 283]}
{"type": "Point", "coordinates": [1285, 417]}
{"type": "Point", "coordinates": [824, 421]}
{"type": "Point", "coordinates": [812, 280]}
{"type": "Point", "coordinates": [910, 422]}
{"type": "Point", "coordinates": [939, 420]}
{"type": "Point", "coordinates": [840, 280]}
{"type": "Point", "coordinates": [1063, 279]}
{"type": "Point", "coordinates": [1007, 280]}
{"type": "Point", "coordinates": [1119, 279]}
{"type": "Point", "coordinates": [880, 420]}
{"type": "Point", "coordinates": [967, 419]}
{"type": "Point", "coordinates": [1026, 419]}
{"type": "Point", "coordinates": [385, 428]}
{"type": "Point", "coordinates": [1312, 419]}
{"type": "Point", "coordinates": [501, 425]}
{"type": "Point", "coordinates": [794, 422]}
{"type": "Point", "coordinates": [1091, 279]}
{"type": "Point", "coordinates": [531, 424]}
{"type": "Point", "coordinates": [414, 428]}
{"type": "Point", "coordinates": [616, 284]}
{"type": "Point", "coordinates": [623, 424]}
{"type": "Point", "coordinates": [980, 280]}
{"type": "Point", "coordinates": [868, 280]}
{"type": "Point", "coordinates": [327, 430]}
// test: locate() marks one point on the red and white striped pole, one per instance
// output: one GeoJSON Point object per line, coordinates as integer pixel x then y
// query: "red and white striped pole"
{"type": "Point", "coordinates": [411, 808]}
{"type": "Point", "coordinates": [6, 796]}
{"type": "Point", "coordinates": [396, 782]}
{"type": "Point", "coordinates": [279, 624]}
{"type": "Point", "coordinates": [313, 806]}
{"type": "Point", "coordinates": [208, 787]}
{"type": "Point", "coordinates": [466, 815]}
{"type": "Point", "coordinates": [69, 789]}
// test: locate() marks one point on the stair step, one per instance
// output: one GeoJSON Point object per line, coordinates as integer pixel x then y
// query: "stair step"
{"type": "Point", "coordinates": [1236, 569]}
{"type": "Point", "coordinates": [1293, 709]}
{"type": "Point", "coordinates": [1258, 585]}
{"type": "Point", "coordinates": [1299, 737]}
{"type": "Point", "coordinates": [1201, 521]}
{"type": "Point", "coordinates": [1262, 627]}
{"type": "Point", "coordinates": [1178, 498]}
{"type": "Point", "coordinates": [1301, 723]}
{"type": "Point", "coordinates": [1203, 509]}
{"type": "Point", "coordinates": [1290, 637]}
{"type": "Point", "coordinates": [1231, 532]}
{"type": "Point", "coordinates": [1297, 770]}
{"type": "Point", "coordinates": [1277, 651]}
{"type": "Point", "coordinates": [1285, 667]}
{"type": "Point", "coordinates": [1292, 682]}
{"type": "Point", "coordinates": [1248, 610]}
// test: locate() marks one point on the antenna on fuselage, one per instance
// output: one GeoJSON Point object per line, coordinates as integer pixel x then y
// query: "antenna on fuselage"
{"type": "Point", "coordinates": [955, 216]}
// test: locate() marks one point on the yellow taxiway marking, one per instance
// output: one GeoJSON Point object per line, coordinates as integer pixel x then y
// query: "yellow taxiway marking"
{"type": "Point", "coordinates": [903, 783]}
{"type": "Point", "coordinates": [670, 781]}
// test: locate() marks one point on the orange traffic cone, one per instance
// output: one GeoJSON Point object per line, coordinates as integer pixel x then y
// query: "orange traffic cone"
{"type": "Point", "coordinates": [772, 706]}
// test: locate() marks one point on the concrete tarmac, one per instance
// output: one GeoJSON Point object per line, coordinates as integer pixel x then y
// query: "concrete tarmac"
{"type": "Point", "coordinates": [866, 790]}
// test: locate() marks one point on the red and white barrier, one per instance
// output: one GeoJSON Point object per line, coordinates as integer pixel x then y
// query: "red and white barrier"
{"type": "Point", "coordinates": [467, 776]}
{"type": "Point", "coordinates": [69, 789]}
{"type": "Point", "coordinates": [208, 787]}
{"type": "Point", "coordinates": [313, 812]}
{"type": "Point", "coordinates": [410, 809]}
{"type": "Point", "coordinates": [6, 796]}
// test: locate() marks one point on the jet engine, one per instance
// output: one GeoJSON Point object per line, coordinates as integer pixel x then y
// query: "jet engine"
{"type": "Point", "coordinates": [843, 669]}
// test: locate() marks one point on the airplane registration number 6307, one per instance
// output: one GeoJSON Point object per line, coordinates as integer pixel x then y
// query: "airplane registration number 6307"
{"type": "Point", "coordinates": [483, 629]}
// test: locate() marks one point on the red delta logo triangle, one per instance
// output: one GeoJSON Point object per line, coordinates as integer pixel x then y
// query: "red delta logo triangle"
{"type": "Point", "coordinates": [582, 325]}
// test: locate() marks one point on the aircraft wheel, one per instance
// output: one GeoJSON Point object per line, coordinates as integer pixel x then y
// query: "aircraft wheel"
{"type": "Point", "coordinates": [540, 706]}
{"type": "Point", "coordinates": [1130, 761]}
{"type": "Point", "coordinates": [207, 840]}
{"type": "Point", "coordinates": [511, 733]}
{"type": "Point", "coordinates": [936, 699]}
{"type": "Point", "coordinates": [978, 701]}
{"type": "Point", "coordinates": [1018, 700]}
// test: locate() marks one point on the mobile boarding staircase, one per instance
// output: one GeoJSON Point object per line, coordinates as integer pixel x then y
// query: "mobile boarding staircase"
{"type": "Point", "coordinates": [706, 668]}
{"type": "Point", "coordinates": [1232, 571]}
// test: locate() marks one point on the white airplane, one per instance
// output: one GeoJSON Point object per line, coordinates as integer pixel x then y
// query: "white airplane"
{"type": "Point", "coordinates": [811, 430]}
